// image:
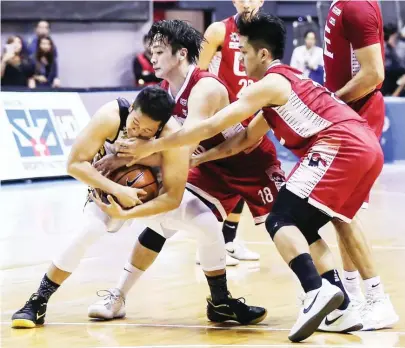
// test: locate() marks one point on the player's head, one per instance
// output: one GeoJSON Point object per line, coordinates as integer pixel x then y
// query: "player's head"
{"type": "Point", "coordinates": [262, 40]}
{"type": "Point", "coordinates": [42, 28]}
{"type": "Point", "coordinates": [173, 43]}
{"type": "Point", "coordinates": [310, 38]}
{"type": "Point", "coordinates": [247, 8]}
{"type": "Point", "coordinates": [149, 112]}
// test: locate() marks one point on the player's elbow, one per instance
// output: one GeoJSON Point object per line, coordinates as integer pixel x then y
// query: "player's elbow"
{"type": "Point", "coordinates": [379, 76]}
{"type": "Point", "coordinates": [375, 76]}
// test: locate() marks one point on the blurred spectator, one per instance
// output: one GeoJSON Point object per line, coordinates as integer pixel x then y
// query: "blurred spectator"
{"type": "Point", "coordinates": [309, 58]}
{"type": "Point", "coordinates": [142, 67]}
{"type": "Point", "coordinates": [46, 65]}
{"type": "Point", "coordinates": [42, 29]}
{"type": "Point", "coordinates": [17, 69]}
{"type": "Point", "coordinates": [401, 45]}
{"type": "Point", "coordinates": [394, 67]}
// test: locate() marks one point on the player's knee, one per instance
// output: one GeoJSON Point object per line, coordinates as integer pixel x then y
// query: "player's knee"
{"type": "Point", "coordinates": [151, 240]}
{"type": "Point", "coordinates": [277, 220]}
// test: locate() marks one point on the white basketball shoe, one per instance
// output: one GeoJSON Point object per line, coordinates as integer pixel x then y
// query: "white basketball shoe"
{"type": "Point", "coordinates": [342, 321]}
{"type": "Point", "coordinates": [238, 250]}
{"type": "Point", "coordinates": [316, 305]}
{"type": "Point", "coordinates": [112, 306]}
{"type": "Point", "coordinates": [378, 312]}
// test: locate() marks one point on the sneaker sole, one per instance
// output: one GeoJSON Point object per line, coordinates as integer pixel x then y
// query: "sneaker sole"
{"type": "Point", "coordinates": [386, 325]}
{"type": "Point", "coordinates": [22, 324]}
{"type": "Point", "coordinates": [100, 317]}
{"type": "Point", "coordinates": [218, 318]}
{"type": "Point", "coordinates": [313, 323]}
{"type": "Point", "coordinates": [356, 327]}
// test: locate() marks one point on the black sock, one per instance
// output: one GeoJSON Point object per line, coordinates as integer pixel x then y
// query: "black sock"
{"type": "Point", "coordinates": [218, 288]}
{"type": "Point", "coordinates": [332, 277]}
{"type": "Point", "coordinates": [305, 270]}
{"type": "Point", "coordinates": [47, 288]}
{"type": "Point", "coordinates": [229, 230]}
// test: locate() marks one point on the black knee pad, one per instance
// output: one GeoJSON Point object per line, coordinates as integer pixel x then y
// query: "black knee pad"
{"type": "Point", "coordinates": [276, 220]}
{"type": "Point", "coordinates": [238, 207]}
{"type": "Point", "coordinates": [151, 240]}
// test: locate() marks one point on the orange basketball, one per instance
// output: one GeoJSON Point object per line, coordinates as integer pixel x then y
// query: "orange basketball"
{"type": "Point", "coordinates": [137, 176]}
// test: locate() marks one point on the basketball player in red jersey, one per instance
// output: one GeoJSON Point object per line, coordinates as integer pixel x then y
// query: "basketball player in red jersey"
{"type": "Point", "coordinates": [220, 55]}
{"type": "Point", "coordinates": [340, 158]}
{"type": "Point", "coordinates": [354, 71]}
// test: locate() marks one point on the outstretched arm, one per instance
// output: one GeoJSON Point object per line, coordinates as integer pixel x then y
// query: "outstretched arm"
{"type": "Point", "coordinates": [214, 36]}
{"type": "Point", "coordinates": [241, 141]}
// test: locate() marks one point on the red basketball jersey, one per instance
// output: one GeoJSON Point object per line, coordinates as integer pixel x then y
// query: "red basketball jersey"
{"type": "Point", "coordinates": [310, 109]}
{"type": "Point", "coordinates": [265, 150]}
{"type": "Point", "coordinates": [226, 64]}
{"type": "Point", "coordinates": [350, 25]}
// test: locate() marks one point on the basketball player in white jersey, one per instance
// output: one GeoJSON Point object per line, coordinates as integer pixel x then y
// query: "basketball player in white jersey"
{"type": "Point", "coordinates": [174, 208]}
{"type": "Point", "coordinates": [220, 56]}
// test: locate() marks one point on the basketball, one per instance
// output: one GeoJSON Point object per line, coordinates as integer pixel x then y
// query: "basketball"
{"type": "Point", "coordinates": [136, 176]}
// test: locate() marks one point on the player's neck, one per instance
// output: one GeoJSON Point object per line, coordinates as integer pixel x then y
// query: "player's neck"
{"type": "Point", "coordinates": [177, 77]}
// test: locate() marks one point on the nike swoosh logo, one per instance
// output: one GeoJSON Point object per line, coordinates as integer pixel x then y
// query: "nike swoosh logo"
{"type": "Point", "coordinates": [40, 316]}
{"type": "Point", "coordinates": [374, 286]}
{"type": "Point", "coordinates": [351, 278]}
{"type": "Point", "coordinates": [306, 310]}
{"type": "Point", "coordinates": [231, 251]}
{"type": "Point", "coordinates": [327, 322]}
{"type": "Point", "coordinates": [232, 316]}
{"type": "Point", "coordinates": [130, 183]}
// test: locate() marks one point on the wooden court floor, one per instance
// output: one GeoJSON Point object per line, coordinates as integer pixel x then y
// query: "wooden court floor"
{"type": "Point", "coordinates": [166, 308]}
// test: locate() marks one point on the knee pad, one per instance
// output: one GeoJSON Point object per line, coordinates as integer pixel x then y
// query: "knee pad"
{"type": "Point", "coordinates": [151, 240]}
{"type": "Point", "coordinates": [275, 221]}
{"type": "Point", "coordinates": [238, 207]}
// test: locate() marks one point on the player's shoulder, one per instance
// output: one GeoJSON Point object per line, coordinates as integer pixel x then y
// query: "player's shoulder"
{"type": "Point", "coordinates": [351, 8]}
{"type": "Point", "coordinates": [109, 114]}
{"type": "Point", "coordinates": [209, 84]}
{"type": "Point", "coordinates": [216, 31]}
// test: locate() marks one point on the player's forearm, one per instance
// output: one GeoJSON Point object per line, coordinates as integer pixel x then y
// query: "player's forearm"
{"type": "Point", "coordinates": [362, 84]}
{"type": "Point", "coordinates": [154, 160]}
{"type": "Point", "coordinates": [87, 174]}
{"type": "Point", "coordinates": [230, 147]}
{"type": "Point", "coordinates": [160, 204]}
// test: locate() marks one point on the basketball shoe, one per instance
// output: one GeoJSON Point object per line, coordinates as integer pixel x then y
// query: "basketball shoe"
{"type": "Point", "coordinates": [378, 312]}
{"type": "Point", "coordinates": [235, 309]}
{"type": "Point", "coordinates": [32, 314]}
{"type": "Point", "coordinates": [238, 250]}
{"type": "Point", "coordinates": [342, 321]}
{"type": "Point", "coordinates": [112, 306]}
{"type": "Point", "coordinates": [316, 305]}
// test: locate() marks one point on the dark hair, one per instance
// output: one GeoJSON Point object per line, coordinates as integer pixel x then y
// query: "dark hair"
{"type": "Point", "coordinates": [50, 56]}
{"type": "Point", "coordinates": [309, 31]}
{"type": "Point", "coordinates": [156, 103]}
{"type": "Point", "coordinates": [178, 34]}
{"type": "Point", "coordinates": [389, 29]}
{"type": "Point", "coordinates": [264, 31]}
{"type": "Point", "coordinates": [23, 53]}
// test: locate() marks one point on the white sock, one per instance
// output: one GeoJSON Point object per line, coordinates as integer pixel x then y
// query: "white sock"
{"type": "Point", "coordinates": [128, 278]}
{"type": "Point", "coordinates": [351, 282]}
{"type": "Point", "coordinates": [374, 285]}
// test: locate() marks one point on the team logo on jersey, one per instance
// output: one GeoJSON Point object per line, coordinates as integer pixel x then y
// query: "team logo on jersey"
{"type": "Point", "coordinates": [183, 101]}
{"type": "Point", "coordinates": [234, 41]}
{"type": "Point", "coordinates": [336, 11]}
{"type": "Point", "coordinates": [277, 176]}
{"type": "Point", "coordinates": [34, 133]}
{"type": "Point", "coordinates": [315, 158]}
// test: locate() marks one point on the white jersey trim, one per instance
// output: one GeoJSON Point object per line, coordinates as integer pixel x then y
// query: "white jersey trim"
{"type": "Point", "coordinates": [209, 198]}
{"type": "Point", "coordinates": [185, 84]}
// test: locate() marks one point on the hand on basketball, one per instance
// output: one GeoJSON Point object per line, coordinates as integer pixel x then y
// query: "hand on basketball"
{"type": "Point", "coordinates": [128, 196]}
{"type": "Point", "coordinates": [113, 209]}
{"type": "Point", "coordinates": [135, 148]}
{"type": "Point", "coordinates": [110, 163]}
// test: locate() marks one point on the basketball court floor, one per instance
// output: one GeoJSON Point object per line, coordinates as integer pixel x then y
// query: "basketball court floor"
{"type": "Point", "coordinates": [166, 308]}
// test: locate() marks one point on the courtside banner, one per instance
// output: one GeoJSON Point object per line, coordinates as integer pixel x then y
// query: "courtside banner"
{"type": "Point", "coordinates": [37, 131]}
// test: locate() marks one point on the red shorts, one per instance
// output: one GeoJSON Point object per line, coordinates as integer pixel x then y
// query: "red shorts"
{"type": "Point", "coordinates": [372, 108]}
{"type": "Point", "coordinates": [337, 172]}
{"type": "Point", "coordinates": [224, 188]}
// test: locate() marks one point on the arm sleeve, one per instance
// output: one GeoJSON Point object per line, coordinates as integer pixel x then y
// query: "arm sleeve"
{"type": "Point", "coordinates": [361, 24]}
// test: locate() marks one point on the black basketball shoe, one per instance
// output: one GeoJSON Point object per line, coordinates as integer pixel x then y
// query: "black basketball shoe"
{"type": "Point", "coordinates": [32, 314]}
{"type": "Point", "coordinates": [235, 309]}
